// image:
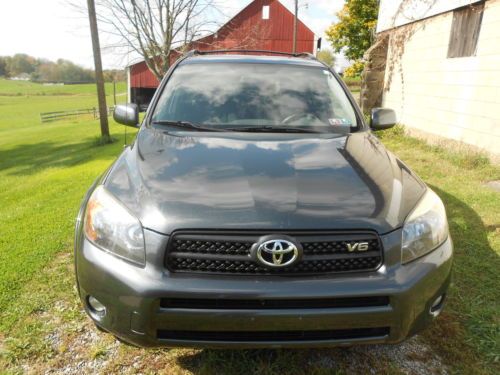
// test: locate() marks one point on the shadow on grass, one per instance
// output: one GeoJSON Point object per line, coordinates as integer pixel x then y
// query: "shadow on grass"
{"type": "Point", "coordinates": [470, 236]}
{"type": "Point", "coordinates": [26, 159]}
{"type": "Point", "coordinates": [280, 361]}
{"type": "Point", "coordinates": [468, 322]}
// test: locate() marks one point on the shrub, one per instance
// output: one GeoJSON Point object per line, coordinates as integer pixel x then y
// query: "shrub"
{"type": "Point", "coordinates": [355, 69]}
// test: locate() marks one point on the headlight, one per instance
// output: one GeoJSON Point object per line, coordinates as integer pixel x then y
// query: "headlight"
{"type": "Point", "coordinates": [425, 228]}
{"type": "Point", "coordinates": [111, 227]}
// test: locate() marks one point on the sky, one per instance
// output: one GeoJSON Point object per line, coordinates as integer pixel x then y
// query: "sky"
{"type": "Point", "coordinates": [53, 29]}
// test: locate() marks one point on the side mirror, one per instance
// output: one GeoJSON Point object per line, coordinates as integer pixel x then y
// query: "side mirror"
{"type": "Point", "coordinates": [382, 118]}
{"type": "Point", "coordinates": [127, 114]}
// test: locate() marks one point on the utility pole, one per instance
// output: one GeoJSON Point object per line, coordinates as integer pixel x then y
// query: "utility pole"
{"type": "Point", "coordinates": [101, 95]}
{"type": "Point", "coordinates": [295, 26]}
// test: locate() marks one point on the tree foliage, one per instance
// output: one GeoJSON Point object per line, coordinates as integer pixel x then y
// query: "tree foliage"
{"type": "Point", "coordinates": [21, 63]}
{"type": "Point", "coordinates": [43, 70]}
{"type": "Point", "coordinates": [154, 29]}
{"type": "Point", "coordinates": [62, 71]}
{"type": "Point", "coordinates": [354, 70]}
{"type": "Point", "coordinates": [326, 56]}
{"type": "Point", "coordinates": [354, 32]}
{"type": "Point", "coordinates": [3, 66]}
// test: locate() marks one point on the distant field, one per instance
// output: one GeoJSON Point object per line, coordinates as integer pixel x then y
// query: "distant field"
{"type": "Point", "coordinates": [22, 102]}
{"type": "Point", "coordinates": [8, 87]}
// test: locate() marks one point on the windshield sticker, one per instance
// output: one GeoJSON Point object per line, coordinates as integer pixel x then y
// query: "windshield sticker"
{"type": "Point", "coordinates": [339, 121]}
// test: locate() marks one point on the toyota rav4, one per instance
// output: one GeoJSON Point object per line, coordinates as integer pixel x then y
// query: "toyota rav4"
{"type": "Point", "coordinates": [256, 208]}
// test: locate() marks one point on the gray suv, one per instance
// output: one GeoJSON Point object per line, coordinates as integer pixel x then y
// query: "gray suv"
{"type": "Point", "coordinates": [256, 208]}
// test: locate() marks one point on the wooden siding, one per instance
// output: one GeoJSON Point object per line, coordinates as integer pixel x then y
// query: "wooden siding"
{"type": "Point", "coordinates": [141, 76]}
{"type": "Point", "coordinates": [465, 29]}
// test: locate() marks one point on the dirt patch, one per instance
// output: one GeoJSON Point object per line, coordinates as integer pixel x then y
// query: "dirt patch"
{"type": "Point", "coordinates": [412, 357]}
{"type": "Point", "coordinates": [85, 350]}
{"type": "Point", "coordinates": [493, 185]}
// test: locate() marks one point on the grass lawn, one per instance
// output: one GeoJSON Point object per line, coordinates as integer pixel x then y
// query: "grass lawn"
{"type": "Point", "coordinates": [44, 172]}
{"type": "Point", "coordinates": [468, 333]}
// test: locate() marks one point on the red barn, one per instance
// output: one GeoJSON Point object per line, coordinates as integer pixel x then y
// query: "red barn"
{"type": "Point", "coordinates": [262, 25]}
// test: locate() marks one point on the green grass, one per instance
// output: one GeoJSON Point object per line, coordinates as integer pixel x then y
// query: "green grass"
{"type": "Point", "coordinates": [24, 88]}
{"type": "Point", "coordinates": [45, 171]}
{"type": "Point", "coordinates": [354, 83]}
{"type": "Point", "coordinates": [468, 334]}
{"type": "Point", "coordinates": [22, 102]}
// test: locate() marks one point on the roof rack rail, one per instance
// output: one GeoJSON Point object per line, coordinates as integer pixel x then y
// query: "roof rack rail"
{"type": "Point", "coordinates": [212, 52]}
{"type": "Point", "coordinates": [191, 52]}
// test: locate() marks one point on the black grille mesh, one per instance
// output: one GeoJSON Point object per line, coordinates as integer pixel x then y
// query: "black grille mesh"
{"type": "Point", "coordinates": [212, 247]}
{"type": "Point", "coordinates": [230, 254]}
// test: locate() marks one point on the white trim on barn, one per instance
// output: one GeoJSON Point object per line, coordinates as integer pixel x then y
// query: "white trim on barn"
{"type": "Point", "coordinates": [129, 89]}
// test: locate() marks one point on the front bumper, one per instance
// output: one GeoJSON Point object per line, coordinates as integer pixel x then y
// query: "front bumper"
{"type": "Point", "coordinates": [134, 311]}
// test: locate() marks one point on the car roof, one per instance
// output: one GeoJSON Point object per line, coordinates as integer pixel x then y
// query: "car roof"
{"type": "Point", "coordinates": [256, 59]}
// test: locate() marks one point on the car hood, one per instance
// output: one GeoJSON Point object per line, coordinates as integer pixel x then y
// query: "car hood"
{"type": "Point", "coordinates": [194, 180]}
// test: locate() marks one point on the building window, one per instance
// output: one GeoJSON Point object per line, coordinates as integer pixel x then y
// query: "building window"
{"type": "Point", "coordinates": [265, 12]}
{"type": "Point", "coordinates": [465, 30]}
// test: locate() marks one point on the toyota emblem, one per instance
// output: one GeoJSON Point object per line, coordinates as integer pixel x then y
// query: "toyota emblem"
{"type": "Point", "coordinates": [278, 253]}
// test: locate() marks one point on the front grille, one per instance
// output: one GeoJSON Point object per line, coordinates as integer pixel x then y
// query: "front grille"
{"type": "Point", "coordinates": [265, 304]}
{"type": "Point", "coordinates": [274, 336]}
{"type": "Point", "coordinates": [230, 253]}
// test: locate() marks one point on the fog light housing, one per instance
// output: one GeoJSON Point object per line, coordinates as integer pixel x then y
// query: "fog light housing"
{"type": "Point", "coordinates": [96, 306]}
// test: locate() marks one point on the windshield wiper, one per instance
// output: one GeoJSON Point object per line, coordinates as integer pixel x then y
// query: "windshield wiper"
{"type": "Point", "coordinates": [186, 125]}
{"type": "Point", "coordinates": [272, 129]}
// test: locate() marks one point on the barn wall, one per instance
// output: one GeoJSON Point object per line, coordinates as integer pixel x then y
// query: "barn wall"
{"type": "Point", "coordinates": [247, 30]}
{"type": "Point", "coordinates": [455, 98]}
{"type": "Point", "coordinates": [141, 76]}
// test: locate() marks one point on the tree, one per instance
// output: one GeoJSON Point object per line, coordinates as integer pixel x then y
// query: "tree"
{"type": "Point", "coordinates": [116, 75]}
{"type": "Point", "coordinates": [355, 69]}
{"type": "Point", "coordinates": [43, 70]}
{"type": "Point", "coordinates": [3, 66]}
{"type": "Point", "coordinates": [155, 28]}
{"type": "Point", "coordinates": [70, 72]}
{"type": "Point", "coordinates": [62, 71]}
{"type": "Point", "coordinates": [326, 56]}
{"type": "Point", "coordinates": [21, 63]}
{"type": "Point", "coordinates": [354, 33]}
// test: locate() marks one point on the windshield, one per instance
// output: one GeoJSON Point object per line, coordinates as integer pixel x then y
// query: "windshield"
{"type": "Point", "coordinates": [248, 97]}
